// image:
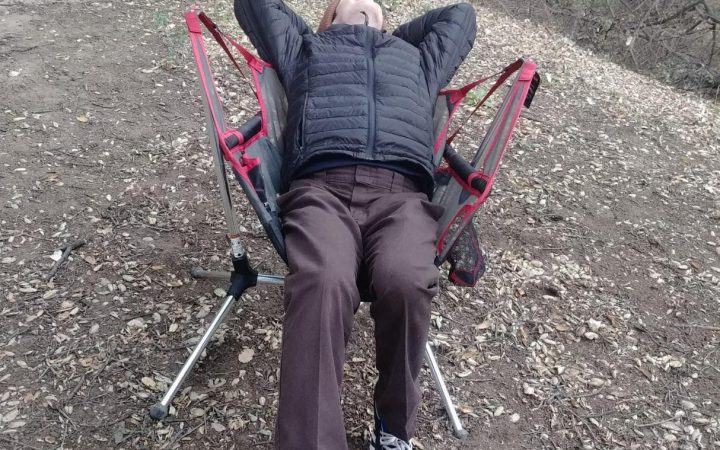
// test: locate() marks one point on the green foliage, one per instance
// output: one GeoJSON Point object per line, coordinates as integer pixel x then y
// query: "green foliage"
{"type": "Point", "coordinates": [174, 35]}
{"type": "Point", "coordinates": [477, 94]}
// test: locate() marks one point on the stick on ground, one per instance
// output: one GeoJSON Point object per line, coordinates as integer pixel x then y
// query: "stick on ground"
{"type": "Point", "coordinates": [66, 252]}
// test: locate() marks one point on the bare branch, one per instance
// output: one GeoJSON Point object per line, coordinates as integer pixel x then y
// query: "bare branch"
{"type": "Point", "coordinates": [673, 16]}
{"type": "Point", "coordinates": [714, 43]}
{"type": "Point", "coordinates": [712, 15]}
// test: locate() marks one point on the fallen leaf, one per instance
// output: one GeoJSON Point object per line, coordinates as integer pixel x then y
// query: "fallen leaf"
{"type": "Point", "coordinates": [687, 405]}
{"type": "Point", "coordinates": [672, 426]}
{"type": "Point", "coordinates": [591, 336]}
{"type": "Point", "coordinates": [594, 325]}
{"type": "Point", "coordinates": [136, 325]}
{"type": "Point", "coordinates": [10, 416]}
{"type": "Point", "coordinates": [246, 355]}
{"type": "Point", "coordinates": [149, 382]}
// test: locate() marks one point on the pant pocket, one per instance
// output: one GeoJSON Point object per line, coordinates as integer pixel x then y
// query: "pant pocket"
{"type": "Point", "coordinates": [434, 210]}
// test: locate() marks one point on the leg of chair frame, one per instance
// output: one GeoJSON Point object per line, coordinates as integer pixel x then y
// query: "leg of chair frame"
{"type": "Point", "coordinates": [198, 272]}
{"type": "Point", "coordinates": [458, 430]}
{"type": "Point", "coordinates": [160, 410]}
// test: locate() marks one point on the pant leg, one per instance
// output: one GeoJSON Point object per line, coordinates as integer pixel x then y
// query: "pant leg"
{"type": "Point", "coordinates": [321, 296]}
{"type": "Point", "coordinates": [400, 250]}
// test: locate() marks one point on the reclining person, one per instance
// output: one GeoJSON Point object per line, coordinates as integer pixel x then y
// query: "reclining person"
{"type": "Point", "coordinates": [358, 167]}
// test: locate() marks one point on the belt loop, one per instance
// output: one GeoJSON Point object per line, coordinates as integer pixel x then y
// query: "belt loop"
{"type": "Point", "coordinates": [395, 181]}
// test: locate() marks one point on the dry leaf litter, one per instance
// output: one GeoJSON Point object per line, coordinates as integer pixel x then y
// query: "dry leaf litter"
{"type": "Point", "coordinates": [596, 326]}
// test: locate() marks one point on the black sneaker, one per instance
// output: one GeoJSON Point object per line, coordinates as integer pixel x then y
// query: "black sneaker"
{"type": "Point", "coordinates": [386, 441]}
{"type": "Point", "coordinates": [382, 440]}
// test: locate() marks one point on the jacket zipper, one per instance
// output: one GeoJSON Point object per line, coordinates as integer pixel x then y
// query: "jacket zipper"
{"type": "Point", "coordinates": [371, 94]}
{"type": "Point", "coordinates": [301, 130]}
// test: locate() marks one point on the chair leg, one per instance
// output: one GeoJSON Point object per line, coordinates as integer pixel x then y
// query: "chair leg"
{"type": "Point", "coordinates": [458, 429]}
{"type": "Point", "coordinates": [197, 272]}
{"type": "Point", "coordinates": [160, 410]}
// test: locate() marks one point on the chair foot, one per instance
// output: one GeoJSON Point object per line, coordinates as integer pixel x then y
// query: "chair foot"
{"type": "Point", "coordinates": [158, 411]}
{"type": "Point", "coordinates": [461, 433]}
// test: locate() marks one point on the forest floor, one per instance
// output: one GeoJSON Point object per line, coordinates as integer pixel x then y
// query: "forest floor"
{"type": "Point", "coordinates": [597, 325]}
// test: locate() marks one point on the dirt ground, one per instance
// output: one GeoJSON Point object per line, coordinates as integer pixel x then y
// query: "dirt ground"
{"type": "Point", "coordinates": [596, 327]}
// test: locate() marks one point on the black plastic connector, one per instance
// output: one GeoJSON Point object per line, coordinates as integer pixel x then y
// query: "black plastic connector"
{"type": "Point", "coordinates": [463, 169]}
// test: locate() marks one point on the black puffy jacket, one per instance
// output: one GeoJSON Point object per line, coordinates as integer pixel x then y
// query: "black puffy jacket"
{"type": "Point", "coordinates": [354, 91]}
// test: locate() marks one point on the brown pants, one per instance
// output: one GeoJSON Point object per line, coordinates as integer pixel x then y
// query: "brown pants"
{"type": "Point", "coordinates": [338, 223]}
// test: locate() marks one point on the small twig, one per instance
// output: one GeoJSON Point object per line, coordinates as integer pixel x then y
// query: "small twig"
{"type": "Point", "coordinates": [47, 362]}
{"type": "Point", "coordinates": [11, 441]}
{"type": "Point", "coordinates": [66, 252]}
{"type": "Point", "coordinates": [652, 424]}
{"type": "Point", "coordinates": [60, 411]}
{"type": "Point", "coordinates": [444, 316]}
{"type": "Point", "coordinates": [36, 237]}
{"type": "Point", "coordinates": [533, 119]}
{"type": "Point", "coordinates": [74, 392]}
{"type": "Point", "coordinates": [18, 333]}
{"type": "Point", "coordinates": [109, 424]}
{"type": "Point", "coordinates": [100, 105]}
{"type": "Point", "coordinates": [584, 422]}
{"type": "Point", "coordinates": [182, 436]}
{"type": "Point", "coordinates": [700, 327]}
{"type": "Point", "coordinates": [101, 369]}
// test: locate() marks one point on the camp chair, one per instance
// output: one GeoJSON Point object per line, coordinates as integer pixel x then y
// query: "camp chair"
{"type": "Point", "coordinates": [254, 154]}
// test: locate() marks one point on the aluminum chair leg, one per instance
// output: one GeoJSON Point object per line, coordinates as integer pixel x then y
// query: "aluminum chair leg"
{"type": "Point", "coordinates": [197, 272]}
{"type": "Point", "coordinates": [160, 410]}
{"type": "Point", "coordinates": [242, 278]}
{"type": "Point", "coordinates": [458, 429]}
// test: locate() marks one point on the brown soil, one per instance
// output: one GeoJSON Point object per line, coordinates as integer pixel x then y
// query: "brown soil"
{"type": "Point", "coordinates": [596, 327]}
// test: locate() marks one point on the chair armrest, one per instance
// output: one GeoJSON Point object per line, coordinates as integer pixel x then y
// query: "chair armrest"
{"type": "Point", "coordinates": [247, 130]}
{"type": "Point", "coordinates": [463, 169]}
